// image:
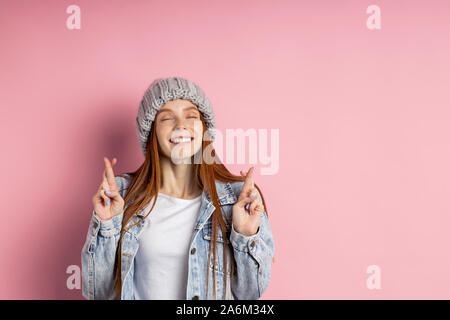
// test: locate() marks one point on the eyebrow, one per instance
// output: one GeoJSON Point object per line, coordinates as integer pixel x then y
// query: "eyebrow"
{"type": "Point", "coordinates": [186, 109]}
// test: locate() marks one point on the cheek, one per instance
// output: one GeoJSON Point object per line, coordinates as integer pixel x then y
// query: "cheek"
{"type": "Point", "coordinates": [198, 144]}
{"type": "Point", "coordinates": [198, 129]}
{"type": "Point", "coordinates": [161, 136]}
{"type": "Point", "coordinates": [198, 138]}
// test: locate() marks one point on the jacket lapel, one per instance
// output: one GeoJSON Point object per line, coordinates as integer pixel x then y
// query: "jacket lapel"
{"type": "Point", "coordinates": [226, 196]}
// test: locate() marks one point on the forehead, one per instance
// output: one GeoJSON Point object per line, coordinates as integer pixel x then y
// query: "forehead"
{"type": "Point", "coordinates": [178, 105]}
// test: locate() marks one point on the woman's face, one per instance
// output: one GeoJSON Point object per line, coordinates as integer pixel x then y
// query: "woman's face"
{"type": "Point", "coordinates": [179, 130]}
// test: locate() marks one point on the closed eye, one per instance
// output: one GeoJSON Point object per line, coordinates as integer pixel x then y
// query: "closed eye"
{"type": "Point", "coordinates": [190, 117]}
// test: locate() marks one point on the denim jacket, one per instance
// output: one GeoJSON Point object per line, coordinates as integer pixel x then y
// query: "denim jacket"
{"type": "Point", "coordinates": [252, 254]}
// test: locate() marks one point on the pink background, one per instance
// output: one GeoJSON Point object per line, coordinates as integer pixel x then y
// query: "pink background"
{"type": "Point", "coordinates": [362, 114]}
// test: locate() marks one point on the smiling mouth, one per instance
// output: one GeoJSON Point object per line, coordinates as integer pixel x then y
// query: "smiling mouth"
{"type": "Point", "coordinates": [181, 140]}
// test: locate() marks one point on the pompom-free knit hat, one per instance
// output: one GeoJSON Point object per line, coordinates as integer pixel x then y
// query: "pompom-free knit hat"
{"type": "Point", "coordinates": [163, 90]}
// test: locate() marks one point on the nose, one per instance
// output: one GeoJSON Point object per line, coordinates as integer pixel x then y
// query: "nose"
{"type": "Point", "coordinates": [180, 124]}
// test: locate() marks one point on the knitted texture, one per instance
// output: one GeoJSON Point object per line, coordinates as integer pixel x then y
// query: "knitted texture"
{"type": "Point", "coordinates": [163, 90]}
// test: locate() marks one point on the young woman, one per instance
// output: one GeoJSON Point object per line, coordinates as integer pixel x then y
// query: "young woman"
{"type": "Point", "coordinates": [190, 229]}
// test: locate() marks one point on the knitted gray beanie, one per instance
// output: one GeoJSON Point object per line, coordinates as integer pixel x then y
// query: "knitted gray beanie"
{"type": "Point", "coordinates": [163, 90]}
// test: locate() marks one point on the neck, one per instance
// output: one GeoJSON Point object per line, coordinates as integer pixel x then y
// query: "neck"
{"type": "Point", "coordinates": [177, 180]}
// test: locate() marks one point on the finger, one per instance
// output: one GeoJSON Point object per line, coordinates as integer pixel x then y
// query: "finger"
{"type": "Point", "coordinates": [113, 163]}
{"type": "Point", "coordinates": [258, 210]}
{"type": "Point", "coordinates": [109, 172]}
{"type": "Point", "coordinates": [243, 202]}
{"type": "Point", "coordinates": [252, 195]}
{"type": "Point", "coordinates": [97, 195]}
{"type": "Point", "coordinates": [100, 187]}
{"type": "Point", "coordinates": [105, 184]}
{"type": "Point", "coordinates": [253, 192]}
{"type": "Point", "coordinates": [246, 202]}
{"type": "Point", "coordinates": [249, 176]}
{"type": "Point", "coordinates": [111, 194]}
{"type": "Point", "coordinates": [105, 198]}
{"type": "Point", "coordinates": [248, 182]}
{"type": "Point", "coordinates": [254, 204]}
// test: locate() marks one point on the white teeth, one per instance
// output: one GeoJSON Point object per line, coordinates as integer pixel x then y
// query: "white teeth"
{"type": "Point", "coordinates": [178, 140]}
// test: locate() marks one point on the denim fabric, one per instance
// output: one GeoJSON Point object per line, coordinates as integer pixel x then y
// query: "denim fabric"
{"type": "Point", "coordinates": [252, 255]}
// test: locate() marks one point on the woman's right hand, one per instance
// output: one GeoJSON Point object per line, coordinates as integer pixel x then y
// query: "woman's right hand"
{"type": "Point", "coordinates": [107, 205]}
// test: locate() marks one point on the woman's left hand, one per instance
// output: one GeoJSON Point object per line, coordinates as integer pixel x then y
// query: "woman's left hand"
{"type": "Point", "coordinates": [248, 209]}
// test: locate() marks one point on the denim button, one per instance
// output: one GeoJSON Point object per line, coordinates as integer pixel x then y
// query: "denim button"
{"type": "Point", "coordinates": [252, 244]}
{"type": "Point", "coordinates": [193, 250]}
{"type": "Point", "coordinates": [195, 298]}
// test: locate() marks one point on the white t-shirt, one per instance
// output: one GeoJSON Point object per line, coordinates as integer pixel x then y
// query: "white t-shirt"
{"type": "Point", "coordinates": [161, 262]}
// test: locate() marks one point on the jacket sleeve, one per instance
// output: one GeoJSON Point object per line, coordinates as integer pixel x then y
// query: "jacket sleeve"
{"type": "Point", "coordinates": [98, 257]}
{"type": "Point", "coordinates": [253, 256]}
{"type": "Point", "coordinates": [99, 252]}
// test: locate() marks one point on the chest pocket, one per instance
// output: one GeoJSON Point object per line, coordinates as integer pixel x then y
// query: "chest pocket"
{"type": "Point", "coordinates": [207, 230]}
{"type": "Point", "coordinates": [222, 242]}
{"type": "Point", "coordinates": [227, 207]}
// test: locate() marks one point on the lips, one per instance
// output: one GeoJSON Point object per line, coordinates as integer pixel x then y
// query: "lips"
{"type": "Point", "coordinates": [181, 139]}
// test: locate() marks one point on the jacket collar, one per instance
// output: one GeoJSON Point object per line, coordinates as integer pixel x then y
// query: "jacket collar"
{"type": "Point", "coordinates": [225, 194]}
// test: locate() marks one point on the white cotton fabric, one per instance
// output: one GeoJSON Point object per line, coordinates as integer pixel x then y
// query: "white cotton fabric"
{"type": "Point", "coordinates": [161, 262]}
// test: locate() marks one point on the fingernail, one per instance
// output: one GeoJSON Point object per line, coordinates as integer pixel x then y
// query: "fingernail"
{"type": "Point", "coordinates": [247, 206]}
{"type": "Point", "coordinates": [107, 203]}
{"type": "Point", "coordinates": [250, 213]}
{"type": "Point", "coordinates": [252, 196]}
{"type": "Point", "coordinates": [108, 192]}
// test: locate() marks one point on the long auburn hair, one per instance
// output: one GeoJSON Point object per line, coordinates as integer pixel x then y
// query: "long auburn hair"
{"type": "Point", "coordinates": [145, 184]}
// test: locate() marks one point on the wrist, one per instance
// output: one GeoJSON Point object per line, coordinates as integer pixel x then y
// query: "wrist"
{"type": "Point", "coordinates": [246, 233]}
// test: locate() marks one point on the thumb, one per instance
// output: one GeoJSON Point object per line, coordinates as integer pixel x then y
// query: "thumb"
{"type": "Point", "coordinates": [243, 201]}
{"type": "Point", "coordinates": [112, 194]}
